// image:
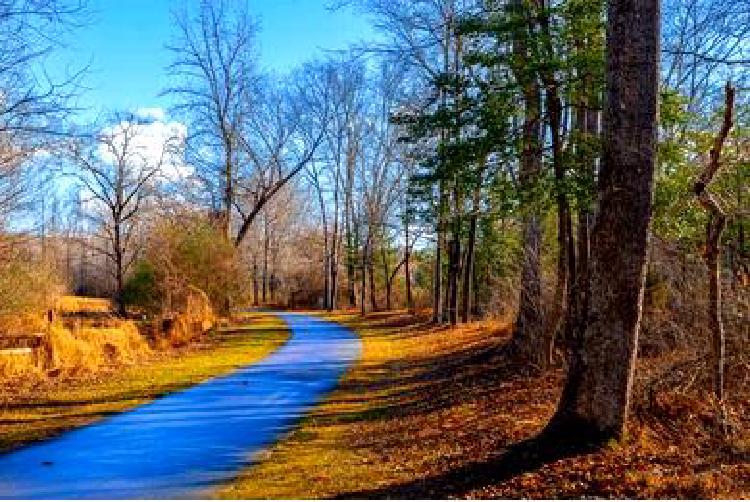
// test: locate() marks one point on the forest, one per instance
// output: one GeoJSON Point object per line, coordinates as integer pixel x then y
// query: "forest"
{"type": "Point", "coordinates": [553, 192]}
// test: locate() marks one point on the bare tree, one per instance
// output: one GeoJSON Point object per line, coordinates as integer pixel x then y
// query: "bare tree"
{"type": "Point", "coordinates": [34, 107]}
{"type": "Point", "coordinates": [247, 140]}
{"type": "Point", "coordinates": [716, 225]}
{"type": "Point", "coordinates": [704, 43]}
{"type": "Point", "coordinates": [215, 68]}
{"type": "Point", "coordinates": [422, 36]}
{"type": "Point", "coordinates": [282, 136]}
{"type": "Point", "coordinates": [119, 172]}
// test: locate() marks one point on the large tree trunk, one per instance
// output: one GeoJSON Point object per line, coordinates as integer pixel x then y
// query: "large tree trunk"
{"type": "Point", "coordinates": [596, 397]}
{"type": "Point", "coordinates": [528, 334]}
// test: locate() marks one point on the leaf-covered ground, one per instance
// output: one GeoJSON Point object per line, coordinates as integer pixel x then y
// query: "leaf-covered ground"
{"type": "Point", "coordinates": [36, 409]}
{"type": "Point", "coordinates": [439, 413]}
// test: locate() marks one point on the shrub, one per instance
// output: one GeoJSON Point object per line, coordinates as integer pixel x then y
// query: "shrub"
{"type": "Point", "coordinates": [190, 252]}
{"type": "Point", "coordinates": [141, 289]}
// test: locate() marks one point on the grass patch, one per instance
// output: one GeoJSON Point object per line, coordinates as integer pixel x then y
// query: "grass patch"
{"type": "Point", "coordinates": [33, 410]}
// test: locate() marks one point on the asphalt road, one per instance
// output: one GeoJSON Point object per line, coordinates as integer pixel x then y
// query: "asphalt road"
{"type": "Point", "coordinates": [183, 444]}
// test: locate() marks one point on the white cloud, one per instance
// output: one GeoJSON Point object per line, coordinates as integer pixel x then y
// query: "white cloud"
{"type": "Point", "coordinates": [150, 142]}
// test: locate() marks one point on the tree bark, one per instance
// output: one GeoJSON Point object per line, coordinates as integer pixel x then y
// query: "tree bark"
{"type": "Point", "coordinates": [596, 397]}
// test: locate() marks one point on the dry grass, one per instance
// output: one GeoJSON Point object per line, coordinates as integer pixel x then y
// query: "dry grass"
{"type": "Point", "coordinates": [438, 413]}
{"type": "Point", "coordinates": [195, 319]}
{"type": "Point", "coordinates": [33, 409]}
{"type": "Point", "coordinates": [75, 350]}
{"type": "Point", "coordinates": [88, 349]}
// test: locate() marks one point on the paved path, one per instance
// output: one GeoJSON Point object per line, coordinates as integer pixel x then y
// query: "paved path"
{"type": "Point", "coordinates": [181, 445]}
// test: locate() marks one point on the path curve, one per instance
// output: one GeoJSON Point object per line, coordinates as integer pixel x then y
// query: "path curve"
{"type": "Point", "coordinates": [182, 445]}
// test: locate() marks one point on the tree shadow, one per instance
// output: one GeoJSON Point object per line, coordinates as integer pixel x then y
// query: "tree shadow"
{"type": "Point", "coordinates": [525, 456]}
{"type": "Point", "coordinates": [423, 384]}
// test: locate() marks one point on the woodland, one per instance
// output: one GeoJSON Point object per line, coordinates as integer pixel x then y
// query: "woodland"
{"type": "Point", "coordinates": [575, 170]}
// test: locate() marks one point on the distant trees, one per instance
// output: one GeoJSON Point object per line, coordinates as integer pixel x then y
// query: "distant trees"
{"type": "Point", "coordinates": [35, 109]}
{"type": "Point", "coordinates": [216, 82]}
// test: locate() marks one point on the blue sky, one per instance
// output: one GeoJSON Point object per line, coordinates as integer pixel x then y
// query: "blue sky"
{"type": "Point", "coordinates": [124, 45]}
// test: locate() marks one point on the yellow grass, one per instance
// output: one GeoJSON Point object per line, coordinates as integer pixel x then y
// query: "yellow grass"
{"type": "Point", "coordinates": [90, 348]}
{"type": "Point", "coordinates": [77, 350]}
{"type": "Point", "coordinates": [32, 410]}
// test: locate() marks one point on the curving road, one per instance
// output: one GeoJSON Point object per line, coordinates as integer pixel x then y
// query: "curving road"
{"type": "Point", "coordinates": [181, 445]}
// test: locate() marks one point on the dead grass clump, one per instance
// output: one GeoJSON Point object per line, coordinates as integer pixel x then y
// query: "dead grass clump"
{"type": "Point", "coordinates": [88, 348]}
{"type": "Point", "coordinates": [62, 350]}
{"type": "Point", "coordinates": [18, 364]}
{"type": "Point", "coordinates": [195, 318]}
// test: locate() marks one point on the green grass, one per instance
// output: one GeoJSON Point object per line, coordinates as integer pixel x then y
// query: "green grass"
{"type": "Point", "coordinates": [34, 411]}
